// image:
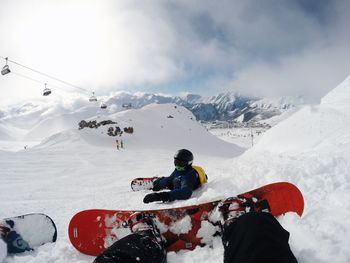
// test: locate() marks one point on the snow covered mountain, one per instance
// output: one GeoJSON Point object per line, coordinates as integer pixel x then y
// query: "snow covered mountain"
{"type": "Point", "coordinates": [58, 115]}
{"type": "Point", "coordinates": [224, 107]}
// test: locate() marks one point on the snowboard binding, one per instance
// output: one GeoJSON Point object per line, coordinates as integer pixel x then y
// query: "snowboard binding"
{"type": "Point", "coordinates": [234, 207]}
{"type": "Point", "coordinates": [4, 230]}
{"type": "Point", "coordinates": [142, 222]}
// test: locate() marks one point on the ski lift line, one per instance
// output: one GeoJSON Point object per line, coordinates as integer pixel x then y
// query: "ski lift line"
{"type": "Point", "coordinates": [26, 77]}
{"type": "Point", "coordinates": [92, 98]}
{"type": "Point", "coordinates": [38, 81]}
{"type": "Point", "coordinates": [44, 74]}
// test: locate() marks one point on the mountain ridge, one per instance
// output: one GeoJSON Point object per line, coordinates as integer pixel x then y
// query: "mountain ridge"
{"type": "Point", "coordinates": [228, 106]}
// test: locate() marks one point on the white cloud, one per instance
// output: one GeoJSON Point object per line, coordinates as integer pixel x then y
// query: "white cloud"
{"type": "Point", "coordinates": [263, 47]}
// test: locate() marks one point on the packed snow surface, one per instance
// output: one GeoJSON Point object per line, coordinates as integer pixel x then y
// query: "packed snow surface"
{"type": "Point", "coordinates": [3, 249]}
{"type": "Point", "coordinates": [75, 170]}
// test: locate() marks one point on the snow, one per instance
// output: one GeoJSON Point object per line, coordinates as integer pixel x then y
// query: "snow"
{"type": "Point", "coordinates": [3, 251]}
{"type": "Point", "coordinates": [182, 226]}
{"type": "Point", "coordinates": [75, 170]}
{"type": "Point", "coordinates": [278, 103]}
{"type": "Point", "coordinates": [207, 231]}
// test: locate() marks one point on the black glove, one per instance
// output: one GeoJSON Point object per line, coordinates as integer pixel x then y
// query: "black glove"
{"type": "Point", "coordinates": [156, 185]}
{"type": "Point", "coordinates": [162, 196]}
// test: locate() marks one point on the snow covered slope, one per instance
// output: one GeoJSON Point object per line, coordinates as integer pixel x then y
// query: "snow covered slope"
{"type": "Point", "coordinates": [312, 150]}
{"type": "Point", "coordinates": [4, 133]}
{"type": "Point", "coordinates": [156, 126]}
{"type": "Point", "coordinates": [61, 122]}
{"type": "Point", "coordinates": [75, 170]}
{"type": "Point", "coordinates": [339, 98]}
{"type": "Point", "coordinates": [310, 129]}
{"type": "Point", "coordinates": [171, 127]}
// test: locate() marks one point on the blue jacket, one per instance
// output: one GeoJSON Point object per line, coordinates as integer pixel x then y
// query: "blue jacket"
{"type": "Point", "coordinates": [181, 183]}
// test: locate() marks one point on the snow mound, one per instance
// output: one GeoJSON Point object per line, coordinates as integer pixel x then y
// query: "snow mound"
{"type": "Point", "coordinates": [310, 128]}
{"type": "Point", "coordinates": [170, 126]}
{"type": "Point", "coordinates": [339, 97]}
{"type": "Point", "coordinates": [312, 150]}
{"type": "Point", "coordinates": [160, 126]}
{"type": "Point", "coordinates": [313, 127]}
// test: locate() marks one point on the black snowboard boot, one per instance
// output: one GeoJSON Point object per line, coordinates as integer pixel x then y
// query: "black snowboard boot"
{"type": "Point", "coordinates": [140, 222]}
{"type": "Point", "coordinates": [144, 244]}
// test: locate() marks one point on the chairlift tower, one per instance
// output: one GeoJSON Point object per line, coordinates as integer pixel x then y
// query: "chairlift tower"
{"type": "Point", "coordinates": [93, 98]}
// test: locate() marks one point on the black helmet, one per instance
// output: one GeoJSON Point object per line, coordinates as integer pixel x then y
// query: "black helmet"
{"type": "Point", "coordinates": [183, 158]}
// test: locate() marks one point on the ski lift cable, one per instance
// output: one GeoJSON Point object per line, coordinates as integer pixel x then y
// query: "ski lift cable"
{"type": "Point", "coordinates": [26, 77]}
{"type": "Point", "coordinates": [46, 75]}
{"type": "Point", "coordinates": [35, 80]}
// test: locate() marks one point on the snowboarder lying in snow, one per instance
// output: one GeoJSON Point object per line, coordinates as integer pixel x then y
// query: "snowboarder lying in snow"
{"type": "Point", "coordinates": [182, 182]}
{"type": "Point", "coordinates": [248, 237]}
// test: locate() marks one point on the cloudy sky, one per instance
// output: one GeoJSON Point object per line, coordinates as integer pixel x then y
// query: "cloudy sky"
{"type": "Point", "coordinates": [264, 48]}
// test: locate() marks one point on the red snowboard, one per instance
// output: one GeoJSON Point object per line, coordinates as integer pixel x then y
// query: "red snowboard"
{"type": "Point", "coordinates": [92, 231]}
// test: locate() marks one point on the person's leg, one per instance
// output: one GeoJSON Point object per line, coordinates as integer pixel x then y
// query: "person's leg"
{"type": "Point", "coordinates": [256, 237]}
{"type": "Point", "coordinates": [134, 248]}
{"type": "Point", "coordinates": [145, 244]}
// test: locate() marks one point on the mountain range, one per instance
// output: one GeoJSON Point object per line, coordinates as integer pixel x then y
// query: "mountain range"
{"type": "Point", "coordinates": [223, 107]}
{"type": "Point", "coordinates": [57, 114]}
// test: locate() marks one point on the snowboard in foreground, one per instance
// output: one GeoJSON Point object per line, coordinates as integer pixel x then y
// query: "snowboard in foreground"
{"type": "Point", "coordinates": [25, 232]}
{"type": "Point", "coordinates": [92, 231]}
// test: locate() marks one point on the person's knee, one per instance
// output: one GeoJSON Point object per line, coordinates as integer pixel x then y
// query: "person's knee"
{"type": "Point", "coordinates": [256, 218]}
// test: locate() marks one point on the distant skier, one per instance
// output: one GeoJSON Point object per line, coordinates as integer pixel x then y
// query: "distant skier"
{"type": "Point", "coordinates": [122, 144]}
{"type": "Point", "coordinates": [117, 143]}
{"type": "Point", "coordinates": [248, 237]}
{"type": "Point", "coordinates": [181, 183]}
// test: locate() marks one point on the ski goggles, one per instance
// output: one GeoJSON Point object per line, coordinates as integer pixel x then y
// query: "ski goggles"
{"type": "Point", "coordinates": [180, 163]}
{"type": "Point", "coordinates": [180, 168]}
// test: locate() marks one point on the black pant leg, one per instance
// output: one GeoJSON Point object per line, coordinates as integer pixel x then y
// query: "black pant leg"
{"type": "Point", "coordinates": [134, 248]}
{"type": "Point", "coordinates": [256, 238]}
